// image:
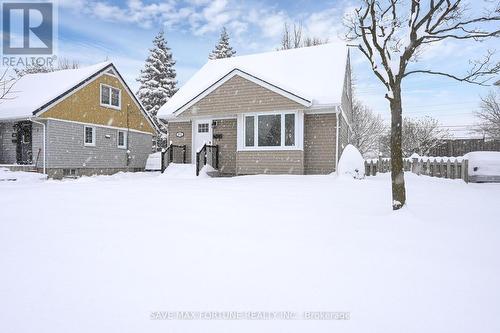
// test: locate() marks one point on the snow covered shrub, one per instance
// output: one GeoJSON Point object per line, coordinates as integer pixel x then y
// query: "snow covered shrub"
{"type": "Point", "coordinates": [352, 163]}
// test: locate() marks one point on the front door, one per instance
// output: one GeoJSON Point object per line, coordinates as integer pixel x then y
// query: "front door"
{"type": "Point", "coordinates": [202, 135]}
{"type": "Point", "coordinates": [23, 150]}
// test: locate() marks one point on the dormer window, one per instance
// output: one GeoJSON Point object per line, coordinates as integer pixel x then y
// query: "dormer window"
{"type": "Point", "coordinates": [110, 97]}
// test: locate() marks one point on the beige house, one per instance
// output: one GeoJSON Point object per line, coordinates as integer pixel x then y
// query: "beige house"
{"type": "Point", "coordinates": [74, 122]}
{"type": "Point", "coordinates": [282, 112]}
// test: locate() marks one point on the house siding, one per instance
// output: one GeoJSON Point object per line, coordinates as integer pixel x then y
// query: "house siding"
{"type": "Point", "coordinates": [84, 106]}
{"type": "Point", "coordinates": [270, 162]}
{"type": "Point", "coordinates": [319, 143]}
{"type": "Point", "coordinates": [65, 148]}
{"type": "Point", "coordinates": [239, 95]}
{"type": "Point", "coordinates": [187, 129]}
{"type": "Point", "coordinates": [8, 148]}
{"type": "Point", "coordinates": [227, 145]}
{"type": "Point", "coordinates": [346, 101]}
{"type": "Point", "coordinates": [343, 134]}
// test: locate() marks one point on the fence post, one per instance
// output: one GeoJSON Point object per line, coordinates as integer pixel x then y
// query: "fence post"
{"type": "Point", "coordinates": [448, 169]}
{"type": "Point", "coordinates": [162, 162]}
{"type": "Point", "coordinates": [171, 154]}
{"type": "Point", "coordinates": [415, 167]}
{"type": "Point", "coordinates": [465, 170]}
{"type": "Point", "coordinates": [184, 154]}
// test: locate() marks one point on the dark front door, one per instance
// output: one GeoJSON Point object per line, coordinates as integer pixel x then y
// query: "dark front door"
{"type": "Point", "coordinates": [24, 153]}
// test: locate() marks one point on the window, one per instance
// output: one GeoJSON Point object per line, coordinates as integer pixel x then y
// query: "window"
{"type": "Point", "coordinates": [249, 131]}
{"type": "Point", "coordinates": [105, 95]}
{"type": "Point", "coordinates": [289, 130]}
{"type": "Point", "coordinates": [122, 139]}
{"type": "Point", "coordinates": [203, 128]}
{"type": "Point", "coordinates": [110, 97]}
{"type": "Point", "coordinates": [115, 97]}
{"type": "Point", "coordinates": [89, 136]}
{"type": "Point", "coordinates": [69, 172]}
{"type": "Point", "coordinates": [271, 130]}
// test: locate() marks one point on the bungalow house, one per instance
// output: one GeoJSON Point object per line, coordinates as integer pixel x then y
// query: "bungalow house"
{"type": "Point", "coordinates": [74, 122]}
{"type": "Point", "coordinates": [282, 112]}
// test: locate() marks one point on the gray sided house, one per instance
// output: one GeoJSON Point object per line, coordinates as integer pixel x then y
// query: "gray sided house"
{"type": "Point", "coordinates": [74, 122]}
{"type": "Point", "coordinates": [282, 112]}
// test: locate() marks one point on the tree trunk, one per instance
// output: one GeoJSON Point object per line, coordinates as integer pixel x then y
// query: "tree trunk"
{"type": "Point", "coordinates": [397, 171]}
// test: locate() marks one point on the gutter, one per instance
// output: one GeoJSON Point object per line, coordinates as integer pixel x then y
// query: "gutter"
{"type": "Point", "coordinates": [337, 143]}
{"type": "Point", "coordinates": [43, 144]}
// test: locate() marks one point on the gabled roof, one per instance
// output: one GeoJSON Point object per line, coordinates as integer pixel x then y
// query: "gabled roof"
{"type": "Point", "coordinates": [33, 91]}
{"type": "Point", "coordinates": [313, 74]}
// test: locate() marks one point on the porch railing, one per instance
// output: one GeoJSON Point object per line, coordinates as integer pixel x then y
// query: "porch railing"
{"type": "Point", "coordinates": [173, 153]}
{"type": "Point", "coordinates": [208, 154]}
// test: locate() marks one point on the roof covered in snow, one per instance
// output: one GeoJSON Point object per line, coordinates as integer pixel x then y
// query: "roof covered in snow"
{"type": "Point", "coordinates": [315, 74]}
{"type": "Point", "coordinates": [33, 91]}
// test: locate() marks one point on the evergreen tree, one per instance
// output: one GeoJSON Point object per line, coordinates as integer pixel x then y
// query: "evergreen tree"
{"type": "Point", "coordinates": [222, 49]}
{"type": "Point", "coordinates": [157, 79]}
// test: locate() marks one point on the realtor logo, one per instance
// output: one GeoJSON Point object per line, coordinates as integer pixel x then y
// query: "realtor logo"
{"type": "Point", "coordinates": [28, 28]}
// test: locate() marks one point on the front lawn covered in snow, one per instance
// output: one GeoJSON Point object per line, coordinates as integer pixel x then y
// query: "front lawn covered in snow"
{"type": "Point", "coordinates": [101, 254]}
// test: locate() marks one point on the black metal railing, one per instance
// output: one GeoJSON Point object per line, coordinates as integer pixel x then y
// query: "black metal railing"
{"type": "Point", "coordinates": [173, 153]}
{"type": "Point", "coordinates": [207, 155]}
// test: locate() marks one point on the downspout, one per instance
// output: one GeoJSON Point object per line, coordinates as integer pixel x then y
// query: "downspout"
{"type": "Point", "coordinates": [337, 143]}
{"type": "Point", "coordinates": [128, 136]}
{"type": "Point", "coordinates": [43, 144]}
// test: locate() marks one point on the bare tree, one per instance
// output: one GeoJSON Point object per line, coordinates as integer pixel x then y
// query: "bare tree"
{"type": "Point", "coordinates": [34, 67]}
{"type": "Point", "coordinates": [489, 115]}
{"type": "Point", "coordinates": [367, 130]}
{"type": "Point", "coordinates": [6, 84]}
{"type": "Point", "coordinates": [419, 136]}
{"type": "Point", "coordinates": [392, 34]}
{"type": "Point", "coordinates": [294, 38]}
{"type": "Point", "coordinates": [65, 63]}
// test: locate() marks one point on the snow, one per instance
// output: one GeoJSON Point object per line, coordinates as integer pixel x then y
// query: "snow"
{"type": "Point", "coordinates": [186, 171]}
{"type": "Point", "coordinates": [484, 163]}
{"type": "Point", "coordinates": [33, 91]}
{"type": "Point", "coordinates": [97, 255]}
{"type": "Point", "coordinates": [315, 73]}
{"type": "Point", "coordinates": [18, 176]}
{"type": "Point", "coordinates": [153, 163]}
{"type": "Point", "coordinates": [352, 163]}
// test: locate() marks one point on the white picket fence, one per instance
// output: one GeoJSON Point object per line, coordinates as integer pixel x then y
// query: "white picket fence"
{"type": "Point", "coordinates": [442, 167]}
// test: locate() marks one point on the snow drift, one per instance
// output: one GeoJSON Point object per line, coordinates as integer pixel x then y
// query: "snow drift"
{"type": "Point", "coordinates": [352, 163]}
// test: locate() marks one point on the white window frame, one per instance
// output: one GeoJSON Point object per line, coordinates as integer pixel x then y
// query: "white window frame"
{"type": "Point", "coordinates": [110, 106]}
{"type": "Point", "coordinates": [299, 121]}
{"type": "Point", "coordinates": [208, 128]}
{"type": "Point", "coordinates": [125, 139]}
{"type": "Point", "coordinates": [93, 136]}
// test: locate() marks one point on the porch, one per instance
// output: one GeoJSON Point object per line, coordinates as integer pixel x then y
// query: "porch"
{"type": "Point", "coordinates": [21, 145]}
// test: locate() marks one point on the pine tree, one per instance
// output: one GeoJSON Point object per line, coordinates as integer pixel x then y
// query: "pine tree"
{"type": "Point", "coordinates": [222, 49]}
{"type": "Point", "coordinates": [157, 79]}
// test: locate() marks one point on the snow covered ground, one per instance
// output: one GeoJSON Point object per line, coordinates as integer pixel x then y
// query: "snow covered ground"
{"type": "Point", "coordinates": [101, 254]}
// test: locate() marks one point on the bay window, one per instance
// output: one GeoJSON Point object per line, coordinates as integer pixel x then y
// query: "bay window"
{"type": "Point", "coordinates": [270, 130]}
